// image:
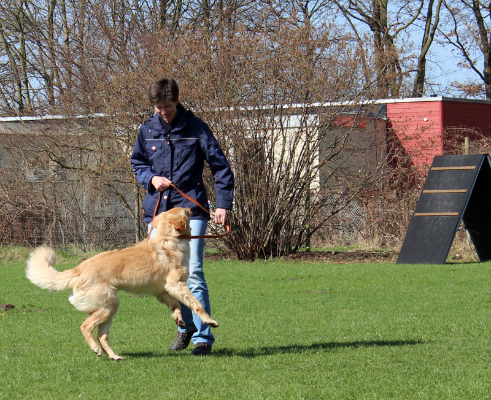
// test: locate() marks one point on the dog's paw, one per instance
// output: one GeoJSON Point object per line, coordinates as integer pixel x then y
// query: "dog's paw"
{"type": "Point", "coordinates": [177, 317]}
{"type": "Point", "coordinates": [116, 358]}
{"type": "Point", "coordinates": [212, 323]}
{"type": "Point", "coordinates": [98, 351]}
{"type": "Point", "coordinates": [179, 322]}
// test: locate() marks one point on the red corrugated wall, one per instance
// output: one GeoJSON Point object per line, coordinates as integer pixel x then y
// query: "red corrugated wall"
{"type": "Point", "coordinates": [465, 119]}
{"type": "Point", "coordinates": [418, 127]}
{"type": "Point", "coordinates": [426, 128]}
{"type": "Point", "coordinates": [467, 115]}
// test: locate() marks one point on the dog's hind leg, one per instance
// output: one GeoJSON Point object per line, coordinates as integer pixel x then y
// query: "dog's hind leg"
{"type": "Point", "coordinates": [174, 306]}
{"type": "Point", "coordinates": [103, 337]}
{"type": "Point", "coordinates": [101, 319]}
{"type": "Point", "coordinates": [101, 304]}
{"type": "Point", "coordinates": [111, 307]}
{"type": "Point", "coordinates": [180, 291]}
{"type": "Point", "coordinates": [93, 321]}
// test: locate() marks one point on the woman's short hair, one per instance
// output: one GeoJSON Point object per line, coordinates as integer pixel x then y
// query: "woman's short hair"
{"type": "Point", "coordinates": [162, 90]}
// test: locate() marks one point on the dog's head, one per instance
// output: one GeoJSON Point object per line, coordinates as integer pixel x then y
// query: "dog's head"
{"type": "Point", "coordinates": [173, 222]}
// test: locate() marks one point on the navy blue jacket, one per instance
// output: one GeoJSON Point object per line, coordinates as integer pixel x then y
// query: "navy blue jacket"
{"type": "Point", "coordinates": [178, 153]}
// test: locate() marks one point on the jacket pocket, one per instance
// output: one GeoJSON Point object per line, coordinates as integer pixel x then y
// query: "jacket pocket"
{"type": "Point", "coordinates": [153, 147]}
{"type": "Point", "coordinates": [185, 151]}
{"type": "Point", "coordinates": [156, 155]}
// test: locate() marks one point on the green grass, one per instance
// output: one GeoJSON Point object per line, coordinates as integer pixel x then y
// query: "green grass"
{"type": "Point", "coordinates": [289, 330]}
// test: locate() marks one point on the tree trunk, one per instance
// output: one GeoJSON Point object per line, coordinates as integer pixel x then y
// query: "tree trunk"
{"type": "Point", "coordinates": [485, 45]}
{"type": "Point", "coordinates": [24, 79]}
{"type": "Point", "coordinates": [163, 10]}
{"type": "Point", "coordinates": [429, 35]}
{"type": "Point", "coordinates": [49, 74]}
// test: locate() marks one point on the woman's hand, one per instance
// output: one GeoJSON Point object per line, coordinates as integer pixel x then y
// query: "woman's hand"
{"type": "Point", "coordinates": [220, 216]}
{"type": "Point", "coordinates": [160, 183]}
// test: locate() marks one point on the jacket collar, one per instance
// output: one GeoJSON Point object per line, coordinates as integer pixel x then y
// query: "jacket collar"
{"type": "Point", "coordinates": [157, 122]}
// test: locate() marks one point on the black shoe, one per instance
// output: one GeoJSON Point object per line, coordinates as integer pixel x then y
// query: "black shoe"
{"type": "Point", "coordinates": [201, 349]}
{"type": "Point", "coordinates": [182, 340]}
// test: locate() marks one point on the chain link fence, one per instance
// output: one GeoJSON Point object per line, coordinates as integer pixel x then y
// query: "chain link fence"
{"type": "Point", "coordinates": [347, 226]}
{"type": "Point", "coordinates": [64, 214]}
{"type": "Point", "coordinates": [103, 221]}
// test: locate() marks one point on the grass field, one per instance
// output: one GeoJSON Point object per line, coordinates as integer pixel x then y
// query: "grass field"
{"type": "Point", "coordinates": [289, 330]}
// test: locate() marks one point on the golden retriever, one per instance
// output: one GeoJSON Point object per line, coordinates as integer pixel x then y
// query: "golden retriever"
{"type": "Point", "coordinates": [156, 266]}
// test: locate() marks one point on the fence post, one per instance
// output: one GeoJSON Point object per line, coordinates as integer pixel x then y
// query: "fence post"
{"type": "Point", "coordinates": [307, 196]}
{"type": "Point", "coordinates": [137, 214]}
{"type": "Point", "coordinates": [307, 217]}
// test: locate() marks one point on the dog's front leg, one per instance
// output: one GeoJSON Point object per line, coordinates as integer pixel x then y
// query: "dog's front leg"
{"type": "Point", "coordinates": [174, 306]}
{"type": "Point", "coordinates": [181, 292]}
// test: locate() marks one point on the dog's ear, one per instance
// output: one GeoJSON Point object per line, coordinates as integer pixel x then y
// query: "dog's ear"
{"type": "Point", "coordinates": [188, 212]}
{"type": "Point", "coordinates": [180, 224]}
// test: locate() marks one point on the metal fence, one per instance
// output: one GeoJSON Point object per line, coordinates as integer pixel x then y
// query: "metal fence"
{"type": "Point", "coordinates": [71, 215]}
{"type": "Point", "coordinates": [74, 211]}
{"type": "Point", "coordinates": [107, 224]}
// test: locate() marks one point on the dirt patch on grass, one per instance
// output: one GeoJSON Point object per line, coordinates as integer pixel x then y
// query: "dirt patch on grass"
{"type": "Point", "coordinates": [345, 257]}
{"type": "Point", "coordinates": [331, 257]}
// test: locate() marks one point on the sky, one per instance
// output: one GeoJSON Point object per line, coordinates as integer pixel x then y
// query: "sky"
{"type": "Point", "coordinates": [444, 69]}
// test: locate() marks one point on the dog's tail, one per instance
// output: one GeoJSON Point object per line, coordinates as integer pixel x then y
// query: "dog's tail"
{"type": "Point", "coordinates": [40, 271]}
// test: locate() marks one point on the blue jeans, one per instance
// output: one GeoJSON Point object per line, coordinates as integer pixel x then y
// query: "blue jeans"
{"type": "Point", "coordinates": [198, 286]}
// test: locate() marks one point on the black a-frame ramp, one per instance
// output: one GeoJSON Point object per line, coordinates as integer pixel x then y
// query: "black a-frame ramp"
{"type": "Point", "coordinates": [458, 188]}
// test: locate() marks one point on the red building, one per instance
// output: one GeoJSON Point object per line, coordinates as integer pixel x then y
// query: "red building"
{"type": "Point", "coordinates": [426, 127]}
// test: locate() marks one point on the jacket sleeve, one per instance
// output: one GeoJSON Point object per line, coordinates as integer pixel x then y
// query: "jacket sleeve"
{"type": "Point", "coordinates": [224, 177]}
{"type": "Point", "coordinates": [141, 165]}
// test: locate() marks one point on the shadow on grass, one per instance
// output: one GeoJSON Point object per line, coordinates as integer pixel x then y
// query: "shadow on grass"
{"type": "Point", "coordinates": [264, 351]}
{"type": "Point", "coordinates": [275, 350]}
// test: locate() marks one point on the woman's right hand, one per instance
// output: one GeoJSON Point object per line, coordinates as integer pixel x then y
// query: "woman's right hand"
{"type": "Point", "coordinates": [160, 183]}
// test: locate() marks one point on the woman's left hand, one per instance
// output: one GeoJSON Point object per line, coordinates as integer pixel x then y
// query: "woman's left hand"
{"type": "Point", "coordinates": [220, 216]}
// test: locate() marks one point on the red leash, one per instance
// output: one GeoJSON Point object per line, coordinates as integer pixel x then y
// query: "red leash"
{"type": "Point", "coordinates": [227, 227]}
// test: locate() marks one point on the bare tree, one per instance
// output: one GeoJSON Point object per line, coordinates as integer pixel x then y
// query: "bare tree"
{"type": "Point", "coordinates": [13, 26]}
{"type": "Point", "coordinates": [468, 32]}
{"type": "Point", "coordinates": [261, 93]}
{"type": "Point", "coordinates": [430, 29]}
{"type": "Point", "coordinates": [386, 24]}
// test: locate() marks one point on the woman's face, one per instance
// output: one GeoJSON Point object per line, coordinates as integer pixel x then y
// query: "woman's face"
{"type": "Point", "coordinates": [167, 110]}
